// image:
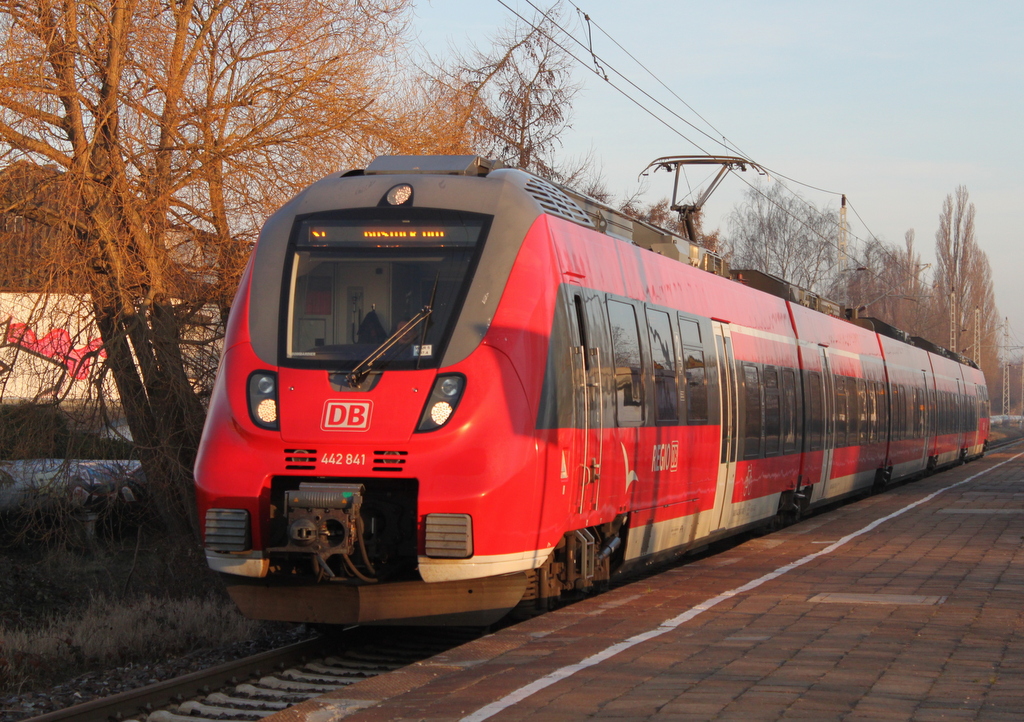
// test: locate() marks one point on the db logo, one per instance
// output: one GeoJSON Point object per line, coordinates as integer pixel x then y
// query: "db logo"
{"type": "Point", "coordinates": [346, 416]}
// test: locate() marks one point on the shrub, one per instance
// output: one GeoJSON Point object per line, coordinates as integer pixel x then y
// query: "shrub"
{"type": "Point", "coordinates": [109, 634]}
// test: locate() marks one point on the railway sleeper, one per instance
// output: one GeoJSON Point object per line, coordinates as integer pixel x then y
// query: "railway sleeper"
{"type": "Point", "coordinates": [286, 695]}
{"type": "Point", "coordinates": [201, 709]}
{"type": "Point", "coordinates": [219, 698]}
{"type": "Point", "coordinates": [292, 696]}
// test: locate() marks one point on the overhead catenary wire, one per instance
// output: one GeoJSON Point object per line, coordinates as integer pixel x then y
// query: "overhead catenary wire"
{"type": "Point", "coordinates": [610, 67]}
{"type": "Point", "coordinates": [601, 63]}
{"type": "Point", "coordinates": [725, 141]}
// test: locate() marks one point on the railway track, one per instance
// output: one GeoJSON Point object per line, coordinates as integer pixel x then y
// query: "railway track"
{"type": "Point", "coordinates": [258, 686]}
{"type": "Point", "coordinates": [261, 685]}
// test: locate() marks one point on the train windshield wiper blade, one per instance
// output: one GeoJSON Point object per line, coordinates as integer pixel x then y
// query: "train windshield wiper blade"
{"type": "Point", "coordinates": [363, 368]}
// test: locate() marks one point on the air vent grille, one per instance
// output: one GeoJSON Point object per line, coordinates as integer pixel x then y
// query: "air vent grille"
{"type": "Point", "coordinates": [556, 202]}
{"type": "Point", "coordinates": [389, 461]}
{"type": "Point", "coordinates": [300, 459]}
{"type": "Point", "coordinates": [227, 530]}
{"type": "Point", "coordinates": [449, 536]}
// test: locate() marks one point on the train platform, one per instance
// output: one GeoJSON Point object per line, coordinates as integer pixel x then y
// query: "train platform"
{"type": "Point", "coordinates": [908, 605]}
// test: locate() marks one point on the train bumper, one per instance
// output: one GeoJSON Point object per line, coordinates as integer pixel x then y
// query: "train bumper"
{"type": "Point", "coordinates": [445, 570]}
{"type": "Point", "coordinates": [465, 602]}
{"type": "Point", "coordinates": [254, 564]}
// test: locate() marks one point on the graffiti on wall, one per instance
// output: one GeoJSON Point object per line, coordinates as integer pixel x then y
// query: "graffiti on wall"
{"type": "Point", "coordinates": [58, 347]}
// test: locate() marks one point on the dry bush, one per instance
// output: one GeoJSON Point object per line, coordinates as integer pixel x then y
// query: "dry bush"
{"type": "Point", "coordinates": [108, 634]}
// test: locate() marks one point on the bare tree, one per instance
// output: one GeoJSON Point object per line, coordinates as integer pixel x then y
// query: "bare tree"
{"type": "Point", "coordinates": [513, 99]}
{"type": "Point", "coordinates": [906, 297]}
{"type": "Point", "coordinates": [152, 137]}
{"type": "Point", "coordinates": [776, 231]}
{"type": "Point", "coordinates": [963, 282]}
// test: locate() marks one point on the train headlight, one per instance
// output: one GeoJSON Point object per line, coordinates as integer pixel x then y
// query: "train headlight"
{"type": "Point", "coordinates": [400, 194]}
{"type": "Point", "coordinates": [440, 412]}
{"type": "Point", "coordinates": [263, 399]}
{"type": "Point", "coordinates": [442, 402]}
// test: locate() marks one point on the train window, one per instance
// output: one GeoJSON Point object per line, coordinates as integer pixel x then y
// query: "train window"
{"type": "Point", "coordinates": [689, 332]}
{"type": "Point", "coordinates": [842, 419]}
{"type": "Point", "coordinates": [357, 277]}
{"type": "Point", "coordinates": [897, 422]}
{"type": "Point", "coordinates": [918, 413]}
{"type": "Point", "coordinates": [815, 414]}
{"type": "Point", "coordinates": [696, 386]}
{"type": "Point", "coordinates": [663, 356]}
{"type": "Point", "coordinates": [789, 411]}
{"type": "Point", "coordinates": [581, 325]}
{"type": "Point", "coordinates": [772, 412]}
{"type": "Point", "coordinates": [904, 413]}
{"type": "Point", "coordinates": [871, 402]}
{"type": "Point", "coordinates": [882, 406]}
{"type": "Point", "coordinates": [753, 421]}
{"type": "Point", "coordinates": [852, 413]}
{"type": "Point", "coordinates": [862, 412]}
{"type": "Point", "coordinates": [627, 363]}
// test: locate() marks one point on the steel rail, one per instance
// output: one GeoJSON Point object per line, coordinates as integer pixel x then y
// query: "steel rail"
{"type": "Point", "coordinates": [150, 697]}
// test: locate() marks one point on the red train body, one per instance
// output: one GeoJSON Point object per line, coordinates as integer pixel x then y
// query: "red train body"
{"type": "Point", "coordinates": [445, 392]}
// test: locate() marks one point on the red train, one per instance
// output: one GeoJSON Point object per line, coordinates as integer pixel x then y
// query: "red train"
{"type": "Point", "coordinates": [450, 389]}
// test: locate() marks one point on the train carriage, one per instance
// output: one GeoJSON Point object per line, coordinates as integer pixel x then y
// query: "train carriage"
{"type": "Point", "coordinates": [450, 389]}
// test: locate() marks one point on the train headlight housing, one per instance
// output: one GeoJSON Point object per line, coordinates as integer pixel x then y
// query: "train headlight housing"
{"type": "Point", "coordinates": [263, 399]}
{"type": "Point", "coordinates": [443, 400]}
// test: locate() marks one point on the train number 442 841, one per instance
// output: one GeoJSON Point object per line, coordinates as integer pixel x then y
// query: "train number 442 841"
{"type": "Point", "coordinates": [343, 459]}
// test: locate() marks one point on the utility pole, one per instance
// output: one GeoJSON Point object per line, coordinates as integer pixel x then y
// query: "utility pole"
{"type": "Point", "coordinates": [953, 322]}
{"type": "Point", "coordinates": [1006, 366]}
{"type": "Point", "coordinates": [977, 336]}
{"type": "Point", "coordinates": [842, 235]}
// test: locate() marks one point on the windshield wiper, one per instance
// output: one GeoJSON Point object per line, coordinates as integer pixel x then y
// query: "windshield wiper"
{"type": "Point", "coordinates": [362, 370]}
{"type": "Point", "coordinates": [357, 375]}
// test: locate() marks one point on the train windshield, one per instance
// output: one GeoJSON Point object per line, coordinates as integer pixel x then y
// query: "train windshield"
{"type": "Point", "coordinates": [359, 276]}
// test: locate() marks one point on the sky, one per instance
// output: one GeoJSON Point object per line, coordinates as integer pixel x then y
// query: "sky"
{"type": "Point", "coordinates": [894, 103]}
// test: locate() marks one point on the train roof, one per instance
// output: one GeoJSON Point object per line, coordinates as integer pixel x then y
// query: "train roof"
{"type": "Point", "coordinates": [579, 208]}
{"type": "Point", "coordinates": [570, 205]}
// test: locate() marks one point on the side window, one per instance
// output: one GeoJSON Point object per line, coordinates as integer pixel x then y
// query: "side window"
{"type": "Point", "coordinates": [696, 391]}
{"type": "Point", "coordinates": [871, 401]}
{"type": "Point", "coordinates": [882, 406]}
{"type": "Point", "coordinates": [663, 356]}
{"type": "Point", "coordinates": [788, 411]}
{"type": "Point", "coordinates": [628, 368]}
{"type": "Point", "coordinates": [919, 396]}
{"type": "Point", "coordinates": [852, 413]}
{"type": "Point", "coordinates": [841, 415]}
{"type": "Point", "coordinates": [752, 399]}
{"type": "Point", "coordinates": [904, 406]}
{"type": "Point", "coordinates": [772, 412]}
{"type": "Point", "coordinates": [689, 332]}
{"type": "Point", "coordinates": [816, 416]}
{"type": "Point", "coordinates": [696, 386]}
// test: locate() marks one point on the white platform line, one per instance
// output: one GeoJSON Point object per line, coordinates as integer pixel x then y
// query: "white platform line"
{"type": "Point", "coordinates": [559, 674]}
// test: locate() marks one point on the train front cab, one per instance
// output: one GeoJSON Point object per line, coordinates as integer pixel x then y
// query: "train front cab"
{"type": "Point", "coordinates": [419, 465]}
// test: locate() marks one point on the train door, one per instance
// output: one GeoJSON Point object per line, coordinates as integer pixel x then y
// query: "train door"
{"type": "Point", "coordinates": [961, 426]}
{"type": "Point", "coordinates": [825, 392]}
{"type": "Point", "coordinates": [586, 456]}
{"type": "Point", "coordinates": [729, 405]}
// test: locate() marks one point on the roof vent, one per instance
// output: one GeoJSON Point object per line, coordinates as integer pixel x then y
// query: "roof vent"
{"type": "Point", "coordinates": [472, 165]}
{"type": "Point", "coordinates": [556, 202]}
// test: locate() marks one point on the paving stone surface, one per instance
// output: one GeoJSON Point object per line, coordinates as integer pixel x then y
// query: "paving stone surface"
{"type": "Point", "coordinates": [921, 618]}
